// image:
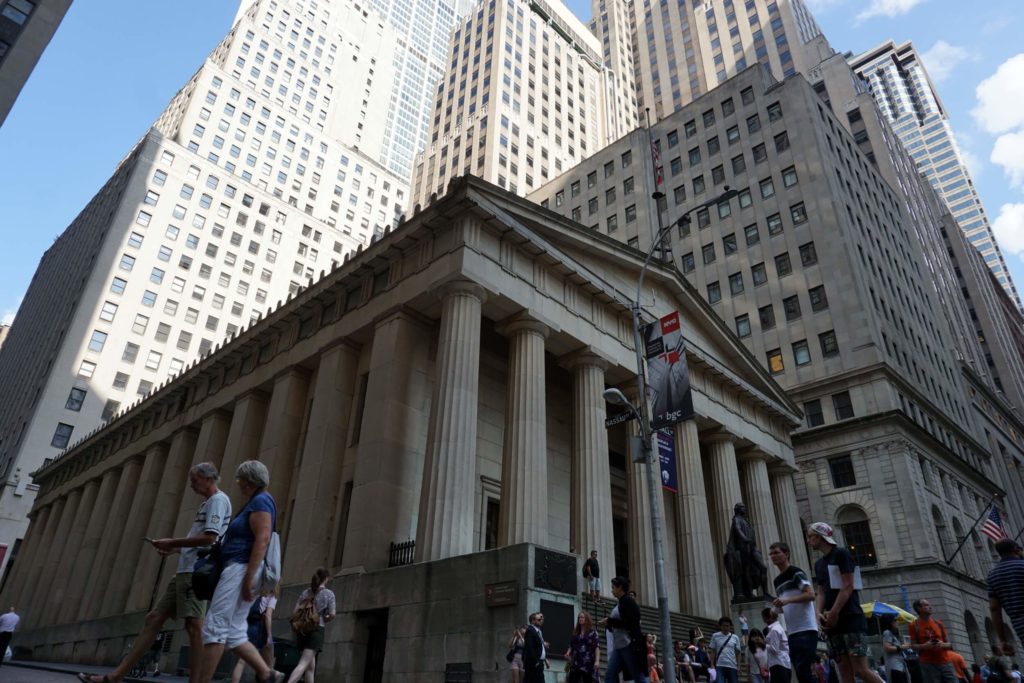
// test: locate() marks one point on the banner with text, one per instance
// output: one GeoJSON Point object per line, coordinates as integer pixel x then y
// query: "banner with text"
{"type": "Point", "coordinates": [668, 379]}
{"type": "Point", "coordinates": [667, 460]}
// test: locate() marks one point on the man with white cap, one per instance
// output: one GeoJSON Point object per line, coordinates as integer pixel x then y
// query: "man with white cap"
{"type": "Point", "coordinates": [837, 578]}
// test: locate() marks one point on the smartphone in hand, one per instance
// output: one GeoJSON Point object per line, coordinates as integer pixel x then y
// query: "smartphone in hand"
{"type": "Point", "coordinates": [147, 539]}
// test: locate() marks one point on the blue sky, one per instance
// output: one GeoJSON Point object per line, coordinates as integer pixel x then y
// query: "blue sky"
{"type": "Point", "coordinates": [114, 65]}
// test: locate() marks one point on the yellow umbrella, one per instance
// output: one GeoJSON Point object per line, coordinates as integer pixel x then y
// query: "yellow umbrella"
{"type": "Point", "coordinates": [878, 610]}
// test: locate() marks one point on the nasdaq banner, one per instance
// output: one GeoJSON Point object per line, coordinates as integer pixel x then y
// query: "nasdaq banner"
{"type": "Point", "coordinates": [668, 380]}
{"type": "Point", "coordinates": [667, 460]}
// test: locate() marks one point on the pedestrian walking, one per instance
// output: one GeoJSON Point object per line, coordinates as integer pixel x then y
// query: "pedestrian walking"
{"type": "Point", "coordinates": [515, 654]}
{"type": "Point", "coordinates": [178, 600]}
{"type": "Point", "coordinates": [795, 597]}
{"type": "Point", "coordinates": [837, 578]}
{"type": "Point", "coordinates": [317, 606]}
{"type": "Point", "coordinates": [629, 654]}
{"type": "Point", "coordinates": [535, 650]}
{"type": "Point", "coordinates": [757, 662]}
{"type": "Point", "coordinates": [243, 548]}
{"type": "Point", "coordinates": [777, 644]}
{"type": "Point", "coordinates": [584, 651]}
{"type": "Point", "coordinates": [724, 650]}
{"type": "Point", "coordinates": [895, 651]}
{"type": "Point", "coordinates": [1006, 592]}
{"type": "Point", "coordinates": [592, 575]}
{"type": "Point", "coordinates": [928, 638]}
{"type": "Point", "coordinates": [8, 624]}
{"type": "Point", "coordinates": [260, 619]}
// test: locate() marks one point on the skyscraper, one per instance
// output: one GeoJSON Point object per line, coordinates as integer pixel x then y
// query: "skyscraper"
{"type": "Point", "coordinates": [906, 96]}
{"type": "Point", "coordinates": [26, 27]}
{"type": "Point", "coordinates": [524, 98]}
{"type": "Point", "coordinates": [260, 174]}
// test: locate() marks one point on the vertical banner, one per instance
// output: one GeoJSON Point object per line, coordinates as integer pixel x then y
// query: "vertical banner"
{"type": "Point", "coordinates": [659, 170]}
{"type": "Point", "coordinates": [667, 460]}
{"type": "Point", "coordinates": [668, 380]}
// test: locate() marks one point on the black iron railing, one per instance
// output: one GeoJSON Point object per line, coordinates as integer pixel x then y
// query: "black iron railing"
{"type": "Point", "coordinates": [402, 553]}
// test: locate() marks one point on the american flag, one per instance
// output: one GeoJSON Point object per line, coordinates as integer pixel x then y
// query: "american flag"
{"type": "Point", "coordinates": [993, 524]}
{"type": "Point", "coordinates": [659, 170]}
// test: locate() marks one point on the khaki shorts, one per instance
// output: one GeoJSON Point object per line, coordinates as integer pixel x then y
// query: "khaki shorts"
{"type": "Point", "coordinates": [179, 602]}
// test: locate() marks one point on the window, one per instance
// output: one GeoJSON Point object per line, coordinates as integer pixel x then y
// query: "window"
{"type": "Point", "coordinates": [156, 276]}
{"type": "Point", "coordinates": [140, 324]}
{"type": "Point", "coordinates": [690, 128]}
{"type": "Point", "coordinates": [766, 314]}
{"type": "Point", "coordinates": [143, 218]}
{"type": "Point", "coordinates": [729, 244]}
{"type": "Point", "coordinates": [184, 340]}
{"type": "Point", "coordinates": [75, 400]}
{"type": "Point", "coordinates": [135, 240]}
{"type": "Point", "coordinates": [856, 531]}
{"type": "Point", "coordinates": [801, 353]}
{"type": "Point", "coordinates": [736, 283]}
{"type": "Point", "coordinates": [782, 142]}
{"type": "Point", "coordinates": [121, 381]}
{"type": "Point", "coordinates": [145, 387]}
{"type": "Point", "coordinates": [108, 311]}
{"type": "Point", "coordinates": [153, 360]}
{"type": "Point", "coordinates": [758, 274]}
{"type": "Point", "coordinates": [842, 406]}
{"type": "Point", "coordinates": [714, 293]}
{"type": "Point", "coordinates": [743, 326]}
{"type": "Point", "coordinates": [819, 302]}
{"type": "Point", "coordinates": [688, 263]}
{"type": "Point", "coordinates": [789, 178]}
{"type": "Point", "coordinates": [774, 224]}
{"type": "Point", "coordinates": [631, 213]}
{"type": "Point", "coordinates": [86, 369]}
{"type": "Point", "coordinates": [782, 265]}
{"type": "Point", "coordinates": [775, 364]}
{"type": "Point", "coordinates": [592, 206]}
{"type": "Point", "coordinates": [695, 156]}
{"type": "Point", "coordinates": [703, 218]}
{"type": "Point", "coordinates": [733, 135]}
{"type": "Point", "coordinates": [109, 410]}
{"type": "Point", "coordinates": [813, 413]}
{"type": "Point", "coordinates": [728, 107]}
{"type": "Point", "coordinates": [117, 285]}
{"type": "Point", "coordinates": [739, 165]}
{"type": "Point", "coordinates": [130, 353]}
{"type": "Point", "coordinates": [613, 223]}
{"type": "Point", "coordinates": [767, 188]}
{"type": "Point", "coordinates": [164, 254]}
{"type": "Point", "coordinates": [718, 176]}
{"type": "Point", "coordinates": [127, 263]}
{"type": "Point", "coordinates": [97, 341]}
{"type": "Point", "coordinates": [698, 185]}
{"type": "Point", "coordinates": [708, 253]}
{"type": "Point", "coordinates": [774, 111]}
{"type": "Point", "coordinates": [760, 154]}
{"type": "Point", "coordinates": [62, 435]}
{"type": "Point", "coordinates": [751, 234]}
{"type": "Point", "coordinates": [163, 331]}
{"type": "Point", "coordinates": [747, 96]}
{"type": "Point", "coordinates": [829, 345]}
{"type": "Point", "coordinates": [591, 179]}
{"type": "Point", "coordinates": [798, 213]}
{"type": "Point", "coordinates": [714, 147]}
{"type": "Point", "coordinates": [709, 118]}
{"type": "Point", "coordinates": [753, 124]}
{"type": "Point", "coordinates": [574, 189]}
{"type": "Point", "coordinates": [791, 305]}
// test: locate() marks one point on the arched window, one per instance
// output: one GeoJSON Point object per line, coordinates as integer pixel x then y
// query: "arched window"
{"type": "Point", "coordinates": [945, 542]}
{"type": "Point", "coordinates": [856, 530]}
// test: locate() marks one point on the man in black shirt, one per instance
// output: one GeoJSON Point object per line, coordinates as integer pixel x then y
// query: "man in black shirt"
{"type": "Point", "coordinates": [837, 578]}
{"type": "Point", "coordinates": [592, 573]}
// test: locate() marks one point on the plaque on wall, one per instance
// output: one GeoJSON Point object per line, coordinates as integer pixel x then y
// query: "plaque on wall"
{"type": "Point", "coordinates": [554, 571]}
{"type": "Point", "coordinates": [501, 594]}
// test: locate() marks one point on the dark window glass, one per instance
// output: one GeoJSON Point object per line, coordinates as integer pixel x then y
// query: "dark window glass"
{"type": "Point", "coordinates": [766, 314]}
{"type": "Point", "coordinates": [841, 469]}
{"type": "Point", "coordinates": [829, 345]}
{"type": "Point", "coordinates": [791, 305]}
{"type": "Point", "coordinates": [813, 413]}
{"type": "Point", "coordinates": [782, 265]}
{"type": "Point", "coordinates": [842, 405]}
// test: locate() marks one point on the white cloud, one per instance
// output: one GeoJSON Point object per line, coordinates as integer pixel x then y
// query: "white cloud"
{"type": "Point", "coordinates": [999, 97]}
{"type": "Point", "coordinates": [1009, 228]}
{"type": "Point", "coordinates": [8, 317]}
{"type": "Point", "coordinates": [1008, 152]}
{"type": "Point", "coordinates": [941, 58]}
{"type": "Point", "coordinates": [888, 8]}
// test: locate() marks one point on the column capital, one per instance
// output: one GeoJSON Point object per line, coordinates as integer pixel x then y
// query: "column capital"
{"type": "Point", "coordinates": [584, 357]}
{"type": "Point", "coordinates": [751, 453]}
{"type": "Point", "coordinates": [781, 468]}
{"type": "Point", "coordinates": [718, 436]}
{"type": "Point", "coordinates": [522, 322]}
{"type": "Point", "coordinates": [460, 287]}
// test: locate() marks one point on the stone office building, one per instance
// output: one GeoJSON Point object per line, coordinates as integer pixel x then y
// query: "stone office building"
{"type": "Point", "coordinates": [443, 386]}
{"type": "Point", "coordinates": [833, 283]}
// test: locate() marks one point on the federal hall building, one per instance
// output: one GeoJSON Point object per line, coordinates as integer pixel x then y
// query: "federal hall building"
{"type": "Point", "coordinates": [431, 414]}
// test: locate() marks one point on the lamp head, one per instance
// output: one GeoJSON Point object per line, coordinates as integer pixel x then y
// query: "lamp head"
{"type": "Point", "coordinates": [616, 397]}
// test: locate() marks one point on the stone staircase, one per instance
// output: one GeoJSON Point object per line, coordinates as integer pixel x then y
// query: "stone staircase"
{"type": "Point", "coordinates": [650, 622]}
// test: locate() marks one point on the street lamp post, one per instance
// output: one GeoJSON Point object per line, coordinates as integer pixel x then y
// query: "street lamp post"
{"type": "Point", "coordinates": [616, 397]}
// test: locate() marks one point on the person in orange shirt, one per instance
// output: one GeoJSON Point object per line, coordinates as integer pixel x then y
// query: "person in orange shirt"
{"type": "Point", "coordinates": [959, 666]}
{"type": "Point", "coordinates": [929, 639]}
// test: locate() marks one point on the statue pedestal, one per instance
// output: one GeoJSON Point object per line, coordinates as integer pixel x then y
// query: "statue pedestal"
{"type": "Point", "coordinates": [751, 609]}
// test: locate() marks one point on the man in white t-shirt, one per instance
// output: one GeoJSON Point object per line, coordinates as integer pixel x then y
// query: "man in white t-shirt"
{"type": "Point", "coordinates": [796, 600]}
{"type": "Point", "coordinates": [777, 646]}
{"type": "Point", "coordinates": [179, 601]}
{"type": "Point", "coordinates": [8, 622]}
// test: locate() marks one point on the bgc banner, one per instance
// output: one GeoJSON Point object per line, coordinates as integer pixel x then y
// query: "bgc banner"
{"type": "Point", "coordinates": [668, 379]}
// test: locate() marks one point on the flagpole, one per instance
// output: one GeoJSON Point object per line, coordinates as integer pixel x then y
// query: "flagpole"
{"type": "Point", "coordinates": [656, 194]}
{"type": "Point", "coordinates": [973, 527]}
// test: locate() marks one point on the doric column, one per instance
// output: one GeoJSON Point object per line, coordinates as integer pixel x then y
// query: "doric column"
{"type": "Point", "coordinates": [69, 555]}
{"type": "Point", "coordinates": [757, 494]}
{"type": "Point", "coordinates": [33, 587]}
{"type": "Point", "coordinates": [724, 479]}
{"type": "Point", "coordinates": [173, 487]}
{"type": "Point", "coordinates": [24, 566]}
{"type": "Point", "coordinates": [388, 473]}
{"type": "Point", "coordinates": [113, 535]}
{"type": "Point", "coordinates": [132, 546]}
{"type": "Point", "coordinates": [78, 586]}
{"type": "Point", "coordinates": [34, 607]}
{"type": "Point", "coordinates": [445, 526]}
{"type": "Point", "coordinates": [247, 420]}
{"type": "Point", "coordinates": [319, 477]}
{"type": "Point", "coordinates": [638, 531]}
{"type": "Point", "coordinates": [591, 502]}
{"type": "Point", "coordinates": [524, 465]}
{"type": "Point", "coordinates": [698, 568]}
{"type": "Point", "coordinates": [280, 444]}
{"type": "Point", "coordinates": [788, 515]}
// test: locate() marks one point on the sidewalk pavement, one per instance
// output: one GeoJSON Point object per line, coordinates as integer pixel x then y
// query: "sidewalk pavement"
{"type": "Point", "coordinates": [72, 669]}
